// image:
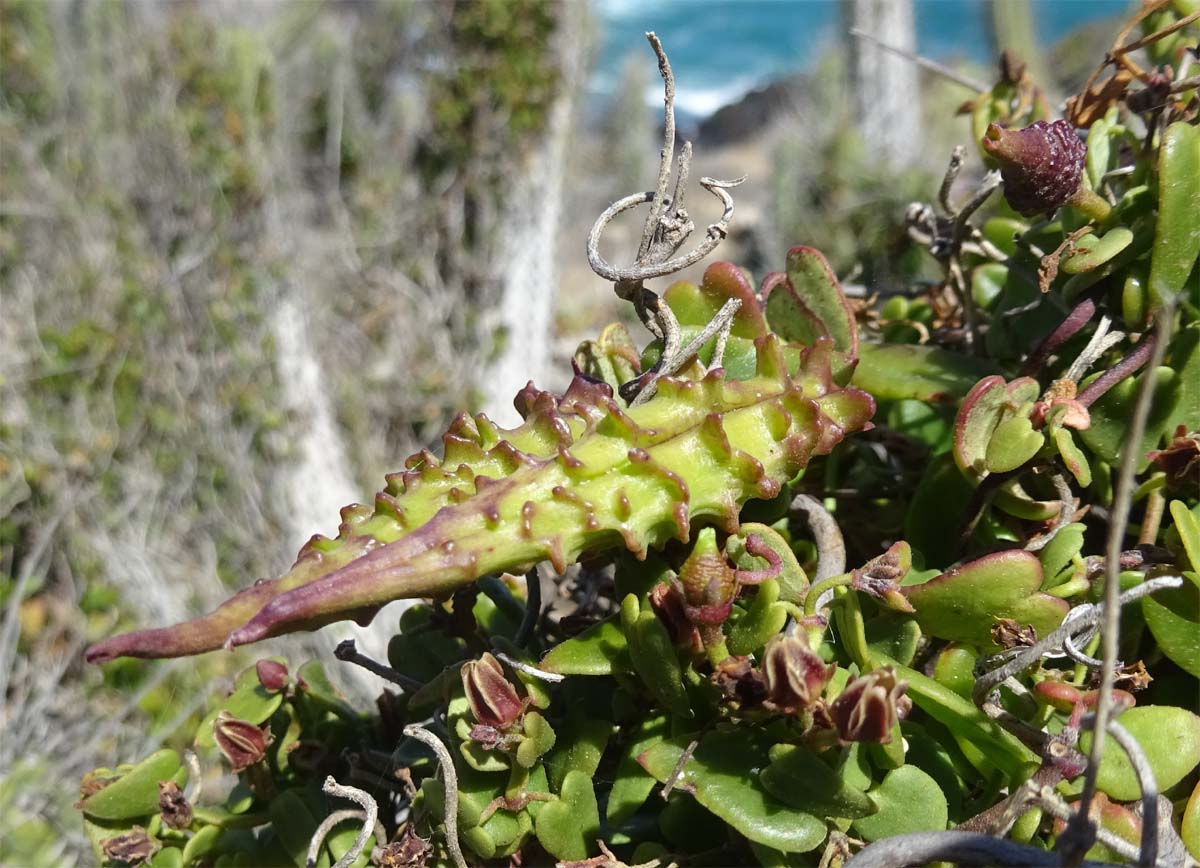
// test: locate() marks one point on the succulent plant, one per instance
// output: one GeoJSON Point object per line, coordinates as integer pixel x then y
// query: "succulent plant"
{"type": "Point", "coordinates": [818, 638]}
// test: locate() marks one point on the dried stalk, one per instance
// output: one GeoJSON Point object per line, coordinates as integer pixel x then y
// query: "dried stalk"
{"type": "Point", "coordinates": [450, 778]}
{"type": "Point", "coordinates": [1080, 825]}
{"type": "Point", "coordinates": [369, 815]}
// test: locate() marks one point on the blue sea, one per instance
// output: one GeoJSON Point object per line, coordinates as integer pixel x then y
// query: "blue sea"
{"type": "Point", "coordinates": [720, 49]}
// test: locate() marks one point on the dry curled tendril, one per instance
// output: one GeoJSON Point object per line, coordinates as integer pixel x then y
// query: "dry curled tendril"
{"type": "Point", "coordinates": [667, 229]}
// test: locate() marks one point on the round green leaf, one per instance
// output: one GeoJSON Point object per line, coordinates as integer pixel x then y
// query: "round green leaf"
{"type": "Point", "coordinates": [1173, 617]}
{"type": "Point", "coordinates": [717, 777]}
{"type": "Point", "coordinates": [1189, 827]}
{"type": "Point", "coordinates": [599, 650]}
{"type": "Point", "coordinates": [909, 800]}
{"type": "Point", "coordinates": [569, 827]}
{"type": "Point", "coordinates": [1013, 443]}
{"type": "Point", "coordinates": [1170, 738]}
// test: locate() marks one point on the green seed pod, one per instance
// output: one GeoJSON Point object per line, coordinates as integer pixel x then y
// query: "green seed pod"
{"type": "Point", "coordinates": [583, 474]}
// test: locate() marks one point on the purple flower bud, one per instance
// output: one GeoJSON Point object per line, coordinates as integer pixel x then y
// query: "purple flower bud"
{"type": "Point", "coordinates": [135, 847]}
{"type": "Point", "coordinates": [242, 742]}
{"type": "Point", "coordinates": [494, 701]}
{"type": "Point", "coordinates": [173, 805]}
{"type": "Point", "coordinates": [795, 675]}
{"type": "Point", "coordinates": [1041, 165]}
{"type": "Point", "coordinates": [869, 708]}
{"type": "Point", "coordinates": [272, 675]}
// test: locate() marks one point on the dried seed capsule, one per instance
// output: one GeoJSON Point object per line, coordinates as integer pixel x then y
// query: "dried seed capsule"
{"type": "Point", "coordinates": [1042, 164]}
{"type": "Point", "coordinates": [173, 805]}
{"type": "Point", "coordinates": [133, 848]}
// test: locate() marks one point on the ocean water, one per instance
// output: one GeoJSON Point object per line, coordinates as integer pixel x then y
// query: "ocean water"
{"type": "Point", "coordinates": [720, 49]}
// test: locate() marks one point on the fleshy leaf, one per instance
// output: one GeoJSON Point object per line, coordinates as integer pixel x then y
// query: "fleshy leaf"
{"type": "Point", "coordinates": [569, 827]}
{"type": "Point", "coordinates": [988, 404]}
{"type": "Point", "coordinates": [909, 800]}
{"type": "Point", "coordinates": [808, 303]}
{"type": "Point", "coordinates": [801, 780]}
{"type": "Point", "coordinates": [1168, 735]}
{"type": "Point", "coordinates": [135, 793]}
{"type": "Point", "coordinates": [1173, 616]}
{"type": "Point", "coordinates": [894, 372]}
{"type": "Point", "coordinates": [717, 776]}
{"type": "Point", "coordinates": [963, 604]}
{"type": "Point", "coordinates": [632, 784]}
{"type": "Point", "coordinates": [601, 649]}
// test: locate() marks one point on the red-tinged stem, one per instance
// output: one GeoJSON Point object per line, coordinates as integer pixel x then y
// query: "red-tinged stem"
{"type": "Point", "coordinates": [1118, 372]}
{"type": "Point", "coordinates": [1067, 329]}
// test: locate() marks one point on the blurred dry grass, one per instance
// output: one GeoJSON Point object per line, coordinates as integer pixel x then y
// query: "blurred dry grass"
{"type": "Point", "coordinates": [247, 262]}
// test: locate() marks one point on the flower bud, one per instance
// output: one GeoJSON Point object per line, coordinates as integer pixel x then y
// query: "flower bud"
{"type": "Point", "coordinates": [795, 675]}
{"type": "Point", "coordinates": [135, 847]}
{"type": "Point", "coordinates": [868, 709]}
{"type": "Point", "coordinates": [242, 742]}
{"type": "Point", "coordinates": [494, 701]}
{"type": "Point", "coordinates": [173, 805]}
{"type": "Point", "coordinates": [272, 675]}
{"type": "Point", "coordinates": [709, 583]}
{"type": "Point", "coordinates": [1042, 164]}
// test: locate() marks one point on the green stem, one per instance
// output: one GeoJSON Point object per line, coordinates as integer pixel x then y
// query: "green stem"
{"type": "Point", "coordinates": [852, 628]}
{"type": "Point", "coordinates": [815, 592]}
{"type": "Point", "coordinates": [1069, 588]}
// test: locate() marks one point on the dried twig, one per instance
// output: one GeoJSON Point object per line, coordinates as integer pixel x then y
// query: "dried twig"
{"type": "Point", "coordinates": [1073, 840]}
{"type": "Point", "coordinates": [924, 62]}
{"type": "Point", "coordinates": [369, 815]}
{"type": "Point", "coordinates": [347, 650]}
{"type": "Point", "coordinates": [532, 671]}
{"type": "Point", "coordinates": [666, 229]}
{"type": "Point", "coordinates": [450, 778]}
{"type": "Point", "coordinates": [677, 772]}
{"type": "Point", "coordinates": [961, 848]}
{"type": "Point", "coordinates": [1019, 659]}
{"type": "Point", "coordinates": [533, 608]}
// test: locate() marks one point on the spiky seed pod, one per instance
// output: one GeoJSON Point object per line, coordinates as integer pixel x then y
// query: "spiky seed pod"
{"type": "Point", "coordinates": [583, 474]}
{"type": "Point", "coordinates": [1042, 164]}
{"type": "Point", "coordinates": [870, 706]}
